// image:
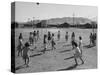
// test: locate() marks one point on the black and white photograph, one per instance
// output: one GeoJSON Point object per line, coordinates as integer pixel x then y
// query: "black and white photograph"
{"type": "Point", "coordinates": [48, 37]}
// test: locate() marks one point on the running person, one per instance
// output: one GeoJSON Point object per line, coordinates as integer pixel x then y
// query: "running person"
{"type": "Point", "coordinates": [77, 53]}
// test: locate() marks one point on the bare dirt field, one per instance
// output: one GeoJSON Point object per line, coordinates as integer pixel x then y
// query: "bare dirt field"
{"type": "Point", "coordinates": [59, 59]}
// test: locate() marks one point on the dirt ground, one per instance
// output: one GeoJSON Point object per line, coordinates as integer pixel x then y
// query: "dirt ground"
{"type": "Point", "coordinates": [60, 59]}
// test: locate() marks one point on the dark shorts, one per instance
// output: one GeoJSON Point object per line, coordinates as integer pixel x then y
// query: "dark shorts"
{"type": "Point", "coordinates": [72, 43]}
{"type": "Point", "coordinates": [49, 38]}
{"type": "Point", "coordinates": [25, 56]}
{"type": "Point", "coordinates": [77, 55]}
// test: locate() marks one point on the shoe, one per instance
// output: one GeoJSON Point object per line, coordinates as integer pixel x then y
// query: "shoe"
{"type": "Point", "coordinates": [27, 65]}
{"type": "Point", "coordinates": [76, 64]}
{"type": "Point", "coordinates": [82, 62]}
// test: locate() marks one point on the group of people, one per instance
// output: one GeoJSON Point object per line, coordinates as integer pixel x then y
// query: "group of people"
{"type": "Point", "coordinates": [48, 39]}
{"type": "Point", "coordinates": [23, 49]}
{"type": "Point", "coordinates": [77, 47]}
{"type": "Point", "coordinates": [33, 37]}
{"type": "Point", "coordinates": [59, 34]}
{"type": "Point", "coordinates": [93, 37]}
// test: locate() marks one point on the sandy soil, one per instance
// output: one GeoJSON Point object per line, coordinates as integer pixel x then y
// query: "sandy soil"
{"type": "Point", "coordinates": [60, 59]}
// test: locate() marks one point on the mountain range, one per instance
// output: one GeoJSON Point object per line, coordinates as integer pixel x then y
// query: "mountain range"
{"type": "Point", "coordinates": [70, 20]}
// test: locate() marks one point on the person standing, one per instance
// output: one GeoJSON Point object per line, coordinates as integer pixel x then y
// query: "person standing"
{"type": "Point", "coordinates": [45, 43]}
{"type": "Point", "coordinates": [34, 37]}
{"type": "Point", "coordinates": [73, 39]}
{"type": "Point", "coordinates": [34, 34]}
{"type": "Point", "coordinates": [31, 40]}
{"type": "Point", "coordinates": [58, 35]}
{"type": "Point", "coordinates": [66, 36]}
{"type": "Point", "coordinates": [49, 37]}
{"type": "Point", "coordinates": [20, 44]}
{"type": "Point", "coordinates": [80, 43]}
{"type": "Point", "coordinates": [53, 42]}
{"type": "Point", "coordinates": [95, 37]}
{"type": "Point", "coordinates": [37, 35]}
{"type": "Point", "coordinates": [91, 39]}
{"type": "Point", "coordinates": [25, 53]}
{"type": "Point", "coordinates": [73, 36]}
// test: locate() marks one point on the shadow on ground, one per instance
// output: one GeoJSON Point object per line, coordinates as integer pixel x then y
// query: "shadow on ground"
{"type": "Point", "coordinates": [88, 46]}
{"type": "Point", "coordinates": [69, 58]}
{"type": "Point", "coordinates": [69, 68]}
{"type": "Point", "coordinates": [67, 45]}
{"type": "Point", "coordinates": [21, 67]}
{"type": "Point", "coordinates": [35, 55]}
{"type": "Point", "coordinates": [64, 51]}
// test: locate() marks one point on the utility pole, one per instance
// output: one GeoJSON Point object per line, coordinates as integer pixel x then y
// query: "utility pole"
{"type": "Point", "coordinates": [33, 22]}
{"type": "Point", "coordinates": [73, 18]}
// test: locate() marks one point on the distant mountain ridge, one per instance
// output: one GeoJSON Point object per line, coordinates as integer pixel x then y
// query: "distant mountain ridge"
{"type": "Point", "coordinates": [58, 21]}
{"type": "Point", "coordinates": [78, 22]}
{"type": "Point", "coordinates": [70, 20]}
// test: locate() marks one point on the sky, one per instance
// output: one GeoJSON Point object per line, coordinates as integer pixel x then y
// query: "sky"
{"type": "Point", "coordinates": [25, 11]}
